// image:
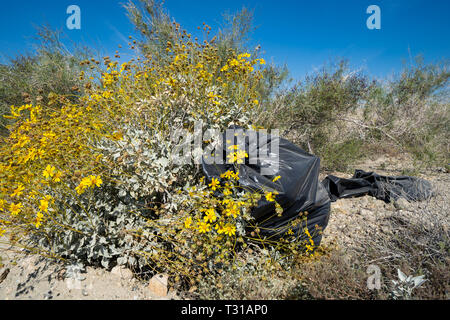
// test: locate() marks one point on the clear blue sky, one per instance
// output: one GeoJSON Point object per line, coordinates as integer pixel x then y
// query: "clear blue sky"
{"type": "Point", "coordinates": [301, 33]}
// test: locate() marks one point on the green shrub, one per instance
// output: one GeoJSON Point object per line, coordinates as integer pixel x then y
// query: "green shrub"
{"type": "Point", "coordinates": [413, 112]}
{"type": "Point", "coordinates": [31, 78]}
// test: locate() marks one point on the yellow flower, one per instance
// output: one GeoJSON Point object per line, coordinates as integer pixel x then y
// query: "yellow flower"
{"type": "Point", "coordinates": [276, 178]}
{"type": "Point", "coordinates": [2, 204]}
{"type": "Point", "coordinates": [33, 194]}
{"type": "Point", "coordinates": [233, 147]}
{"type": "Point", "coordinates": [84, 184]}
{"type": "Point", "coordinates": [232, 157]}
{"type": "Point", "coordinates": [270, 197]}
{"type": "Point", "coordinates": [44, 203]}
{"type": "Point", "coordinates": [232, 210]}
{"type": "Point", "coordinates": [238, 156]}
{"type": "Point", "coordinates": [88, 182]}
{"type": "Point", "coordinates": [227, 174]}
{"type": "Point", "coordinates": [57, 177]}
{"type": "Point", "coordinates": [96, 180]}
{"type": "Point", "coordinates": [39, 218]}
{"type": "Point", "coordinates": [229, 229]}
{"type": "Point", "coordinates": [18, 191]}
{"type": "Point", "coordinates": [219, 228]}
{"type": "Point", "coordinates": [210, 215]}
{"type": "Point", "coordinates": [49, 172]}
{"type": "Point", "coordinates": [241, 154]}
{"type": "Point", "coordinates": [307, 232]}
{"type": "Point", "coordinates": [43, 206]}
{"type": "Point", "coordinates": [188, 222]}
{"type": "Point", "coordinates": [262, 61]}
{"type": "Point", "coordinates": [15, 208]}
{"type": "Point", "coordinates": [214, 183]}
{"type": "Point", "coordinates": [227, 192]}
{"type": "Point", "coordinates": [204, 227]}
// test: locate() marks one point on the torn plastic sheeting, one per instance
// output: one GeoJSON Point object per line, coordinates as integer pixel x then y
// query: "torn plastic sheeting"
{"type": "Point", "coordinates": [381, 187]}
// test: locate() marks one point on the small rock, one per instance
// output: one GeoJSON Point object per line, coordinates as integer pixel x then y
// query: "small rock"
{"type": "Point", "coordinates": [401, 204]}
{"type": "Point", "coordinates": [48, 295]}
{"type": "Point", "coordinates": [122, 272]}
{"type": "Point", "coordinates": [84, 292]}
{"type": "Point", "coordinates": [365, 212]}
{"type": "Point", "coordinates": [158, 285]}
{"type": "Point", "coordinates": [364, 202]}
{"type": "Point", "coordinates": [3, 274]}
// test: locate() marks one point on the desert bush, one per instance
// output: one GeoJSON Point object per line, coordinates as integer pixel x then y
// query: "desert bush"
{"type": "Point", "coordinates": [156, 27]}
{"type": "Point", "coordinates": [419, 246]}
{"type": "Point", "coordinates": [412, 112]}
{"type": "Point", "coordinates": [254, 276]}
{"type": "Point", "coordinates": [342, 116]}
{"type": "Point", "coordinates": [95, 181]}
{"type": "Point", "coordinates": [52, 68]}
{"type": "Point", "coordinates": [314, 112]}
{"type": "Point", "coordinates": [335, 275]}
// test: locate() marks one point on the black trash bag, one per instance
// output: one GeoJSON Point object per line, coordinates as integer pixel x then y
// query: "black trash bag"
{"type": "Point", "coordinates": [299, 190]}
{"type": "Point", "coordinates": [381, 187]}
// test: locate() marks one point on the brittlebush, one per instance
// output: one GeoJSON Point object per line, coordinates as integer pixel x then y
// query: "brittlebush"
{"type": "Point", "coordinates": [94, 182]}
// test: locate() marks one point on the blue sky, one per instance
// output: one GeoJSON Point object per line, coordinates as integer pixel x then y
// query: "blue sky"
{"type": "Point", "coordinates": [303, 34]}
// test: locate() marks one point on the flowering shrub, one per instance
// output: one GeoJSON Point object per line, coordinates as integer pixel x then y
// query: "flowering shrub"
{"type": "Point", "coordinates": [95, 182]}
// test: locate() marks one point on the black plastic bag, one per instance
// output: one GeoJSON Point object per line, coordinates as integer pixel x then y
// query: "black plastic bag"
{"type": "Point", "coordinates": [299, 190]}
{"type": "Point", "coordinates": [381, 187]}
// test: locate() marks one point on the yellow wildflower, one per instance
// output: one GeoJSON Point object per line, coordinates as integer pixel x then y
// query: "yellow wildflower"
{"type": "Point", "coordinates": [204, 227]}
{"type": "Point", "coordinates": [188, 222]}
{"type": "Point", "coordinates": [57, 177]}
{"type": "Point", "coordinates": [214, 183]}
{"type": "Point", "coordinates": [232, 210]}
{"type": "Point", "coordinates": [18, 191]}
{"type": "Point", "coordinates": [39, 218]}
{"type": "Point", "coordinates": [276, 178]}
{"type": "Point", "coordinates": [15, 208]}
{"type": "Point", "coordinates": [44, 203]}
{"type": "Point", "coordinates": [210, 215]}
{"type": "Point", "coordinates": [270, 197]}
{"type": "Point", "coordinates": [229, 229]}
{"type": "Point", "coordinates": [96, 180]}
{"type": "Point", "coordinates": [219, 227]}
{"type": "Point", "coordinates": [49, 172]}
{"type": "Point", "coordinates": [227, 174]}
